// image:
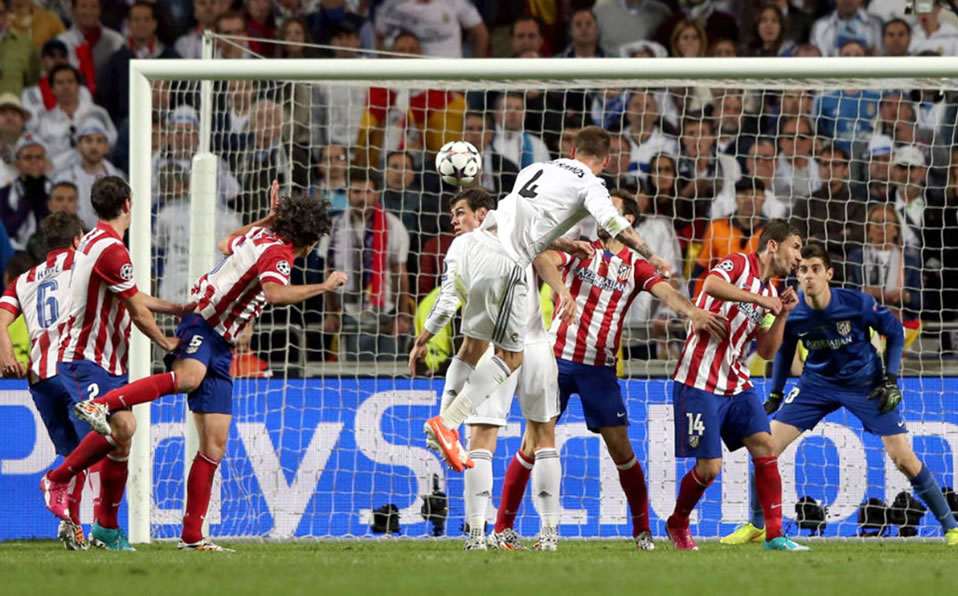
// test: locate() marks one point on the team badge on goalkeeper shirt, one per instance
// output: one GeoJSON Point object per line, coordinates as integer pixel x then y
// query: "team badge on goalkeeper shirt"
{"type": "Point", "coordinates": [844, 327]}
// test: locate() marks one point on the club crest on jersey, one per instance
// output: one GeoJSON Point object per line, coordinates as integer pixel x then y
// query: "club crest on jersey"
{"type": "Point", "coordinates": [694, 441]}
{"type": "Point", "coordinates": [283, 267]}
{"type": "Point", "coordinates": [844, 327]}
{"type": "Point", "coordinates": [126, 272]}
{"type": "Point", "coordinates": [624, 272]}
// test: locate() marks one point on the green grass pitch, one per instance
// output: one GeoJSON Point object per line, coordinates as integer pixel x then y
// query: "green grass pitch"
{"type": "Point", "coordinates": [433, 568]}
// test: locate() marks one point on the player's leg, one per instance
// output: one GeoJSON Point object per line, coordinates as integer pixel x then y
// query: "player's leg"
{"type": "Point", "coordinates": [213, 430]}
{"type": "Point", "coordinates": [460, 367]}
{"type": "Point", "coordinates": [546, 480]}
{"type": "Point", "coordinates": [898, 447]}
{"type": "Point", "coordinates": [193, 333]}
{"type": "Point", "coordinates": [754, 530]}
{"type": "Point", "coordinates": [698, 415]}
{"type": "Point", "coordinates": [632, 479]}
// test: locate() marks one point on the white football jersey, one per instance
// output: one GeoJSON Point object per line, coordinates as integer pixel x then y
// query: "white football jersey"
{"type": "Point", "coordinates": [546, 201]}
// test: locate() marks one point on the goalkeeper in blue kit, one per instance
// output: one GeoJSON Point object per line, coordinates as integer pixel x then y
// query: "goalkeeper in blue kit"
{"type": "Point", "coordinates": [843, 369]}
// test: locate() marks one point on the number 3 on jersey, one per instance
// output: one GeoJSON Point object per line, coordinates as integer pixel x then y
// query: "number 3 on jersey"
{"type": "Point", "coordinates": [530, 189]}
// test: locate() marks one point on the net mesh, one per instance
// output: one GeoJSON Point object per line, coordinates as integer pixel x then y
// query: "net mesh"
{"type": "Point", "coordinates": [327, 425]}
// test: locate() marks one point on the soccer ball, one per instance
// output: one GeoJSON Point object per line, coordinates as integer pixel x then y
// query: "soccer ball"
{"type": "Point", "coordinates": [458, 163]}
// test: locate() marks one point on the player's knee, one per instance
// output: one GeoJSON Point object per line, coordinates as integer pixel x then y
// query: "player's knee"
{"type": "Point", "coordinates": [512, 359]}
{"type": "Point", "coordinates": [123, 426]}
{"type": "Point", "coordinates": [188, 379]}
{"type": "Point", "coordinates": [708, 469]}
{"type": "Point", "coordinates": [619, 451]}
{"type": "Point", "coordinates": [905, 460]}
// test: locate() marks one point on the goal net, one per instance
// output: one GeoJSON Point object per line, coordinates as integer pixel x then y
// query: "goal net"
{"type": "Point", "coordinates": [327, 423]}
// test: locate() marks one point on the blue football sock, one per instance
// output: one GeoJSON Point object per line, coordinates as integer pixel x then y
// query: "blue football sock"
{"type": "Point", "coordinates": [927, 488]}
{"type": "Point", "coordinates": [755, 515]}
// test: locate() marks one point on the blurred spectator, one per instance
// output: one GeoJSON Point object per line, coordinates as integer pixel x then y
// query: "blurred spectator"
{"type": "Point", "coordinates": [833, 215]}
{"type": "Point", "coordinates": [19, 60]}
{"type": "Point", "coordinates": [403, 197]}
{"type": "Point", "coordinates": [584, 31]}
{"type": "Point", "coordinates": [245, 363]}
{"type": "Point", "coordinates": [722, 48]}
{"type": "Point", "coordinates": [661, 187]}
{"type": "Point", "coordinates": [302, 103]}
{"type": "Point", "coordinates": [343, 106]}
{"type": "Point", "coordinates": [296, 33]}
{"type": "Point", "coordinates": [510, 140]}
{"type": "Point", "coordinates": [688, 40]}
{"type": "Point", "coordinates": [63, 199]}
{"type": "Point", "coordinates": [90, 44]}
{"type": "Point", "coordinates": [61, 8]}
{"type": "Point", "coordinates": [296, 9]}
{"type": "Point", "coordinates": [616, 173]}
{"type": "Point", "coordinates": [260, 23]}
{"type": "Point", "coordinates": [143, 44]}
{"type": "Point", "coordinates": [883, 268]}
{"type": "Point", "coordinates": [625, 21]}
{"type": "Point", "coordinates": [437, 23]}
{"type": "Point", "coordinates": [33, 22]}
{"type": "Point", "coordinates": [372, 247]}
{"type": "Point", "coordinates": [205, 13]}
{"type": "Point", "coordinates": [13, 121]}
{"type": "Point", "coordinates": [703, 172]}
{"type": "Point", "coordinates": [644, 132]}
{"type": "Point", "coordinates": [171, 236]}
{"type": "Point", "coordinates": [89, 164]}
{"type": "Point", "coordinates": [58, 127]}
{"type": "Point", "coordinates": [908, 170]}
{"type": "Point", "coordinates": [807, 50]}
{"type": "Point", "coordinates": [769, 36]}
{"type": "Point", "coordinates": [23, 202]}
{"type": "Point", "coordinates": [796, 173]}
{"type": "Point", "coordinates": [567, 140]}
{"type": "Point", "coordinates": [182, 126]}
{"type": "Point", "coordinates": [760, 165]}
{"type": "Point", "coordinates": [15, 265]}
{"type": "Point", "coordinates": [897, 118]}
{"type": "Point", "coordinates": [738, 233]}
{"type": "Point", "coordinates": [847, 115]}
{"type": "Point", "coordinates": [878, 181]}
{"type": "Point", "coordinates": [647, 317]}
{"type": "Point", "coordinates": [933, 35]}
{"type": "Point", "coordinates": [526, 36]}
{"type": "Point", "coordinates": [848, 22]}
{"type": "Point", "coordinates": [896, 38]}
{"type": "Point", "coordinates": [736, 130]}
{"type": "Point", "coordinates": [264, 160]}
{"type": "Point", "coordinates": [333, 165]}
{"type": "Point", "coordinates": [711, 17]}
{"type": "Point", "coordinates": [39, 98]}
{"type": "Point", "coordinates": [498, 173]}
{"type": "Point", "coordinates": [232, 24]}
{"type": "Point", "coordinates": [643, 48]}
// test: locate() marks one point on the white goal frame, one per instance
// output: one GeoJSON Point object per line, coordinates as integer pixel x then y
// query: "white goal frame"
{"type": "Point", "coordinates": [485, 72]}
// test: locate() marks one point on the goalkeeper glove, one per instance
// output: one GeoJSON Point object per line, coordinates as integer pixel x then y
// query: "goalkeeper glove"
{"type": "Point", "coordinates": [774, 402]}
{"type": "Point", "coordinates": [887, 393]}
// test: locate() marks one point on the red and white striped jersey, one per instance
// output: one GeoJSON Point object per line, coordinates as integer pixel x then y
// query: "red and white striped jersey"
{"type": "Point", "coordinates": [231, 295]}
{"type": "Point", "coordinates": [98, 324]}
{"type": "Point", "coordinates": [603, 286]}
{"type": "Point", "coordinates": [718, 366]}
{"type": "Point", "coordinates": [42, 294]}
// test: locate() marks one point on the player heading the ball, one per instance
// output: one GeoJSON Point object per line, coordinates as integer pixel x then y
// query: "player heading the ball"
{"type": "Point", "coordinates": [255, 271]}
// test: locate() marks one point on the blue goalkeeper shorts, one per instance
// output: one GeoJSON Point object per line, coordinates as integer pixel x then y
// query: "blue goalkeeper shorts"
{"type": "Point", "coordinates": [808, 402]}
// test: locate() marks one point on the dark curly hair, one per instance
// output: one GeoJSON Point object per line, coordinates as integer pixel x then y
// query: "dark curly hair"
{"type": "Point", "coordinates": [302, 220]}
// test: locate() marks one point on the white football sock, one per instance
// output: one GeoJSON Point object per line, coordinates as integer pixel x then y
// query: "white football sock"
{"type": "Point", "coordinates": [546, 480]}
{"type": "Point", "coordinates": [480, 384]}
{"type": "Point", "coordinates": [478, 487]}
{"type": "Point", "coordinates": [456, 375]}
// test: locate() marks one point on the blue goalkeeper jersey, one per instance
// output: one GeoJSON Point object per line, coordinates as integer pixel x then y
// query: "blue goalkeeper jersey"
{"type": "Point", "coordinates": [838, 341]}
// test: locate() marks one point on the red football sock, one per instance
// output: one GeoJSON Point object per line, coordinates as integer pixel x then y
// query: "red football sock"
{"type": "Point", "coordinates": [139, 392]}
{"type": "Point", "coordinates": [768, 487]}
{"type": "Point", "coordinates": [199, 486]}
{"type": "Point", "coordinates": [513, 488]}
{"type": "Point", "coordinates": [75, 497]}
{"type": "Point", "coordinates": [691, 491]}
{"type": "Point", "coordinates": [91, 449]}
{"type": "Point", "coordinates": [113, 473]}
{"type": "Point", "coordinates": [632, 480]}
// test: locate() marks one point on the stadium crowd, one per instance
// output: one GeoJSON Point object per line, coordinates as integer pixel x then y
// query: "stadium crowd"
{"type": "Point", "coordinates": [871, 173]}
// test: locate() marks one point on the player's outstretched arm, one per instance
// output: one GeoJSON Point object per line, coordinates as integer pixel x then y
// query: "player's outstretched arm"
{"type": "Point", "coordinates": [442, 309]}
{"type": "Point", "coordinates": [886, 323]}
{"type": "Point", "coordinates": [718, 288]}
{"type": "Point", "coordinates": [579, 249]}
{"type": "Point", "coordinates": [164, 307]}
{"type": "Point", "coordinates": [702, 320]}
{"type": "Point", "coordinates": [224, 244]}
{"type": "Point", "coordinates": [143, 318]}
{"type": "Point", "coordinates": [781, 367]}
{"type": "Point", "coordinates": [631, 238]}
{"type": "Point", "coordinates": [278, 294]}
{"type": "Point", "coordinates": [769, 339]}
{"type": "Point", "coordinates": [8, 360]}
{"type": "Point", "coordinates": [547, 266]}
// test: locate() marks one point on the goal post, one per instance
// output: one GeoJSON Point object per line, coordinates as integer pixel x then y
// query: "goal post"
{"type": "Point", "coordinates": [935, 73]}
